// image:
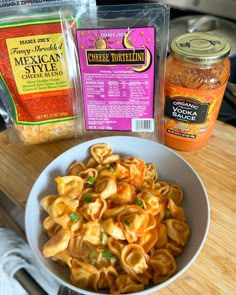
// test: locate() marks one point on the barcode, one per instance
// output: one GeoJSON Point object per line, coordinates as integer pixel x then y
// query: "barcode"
{"type": "Point", "coordinates": [142, 125]}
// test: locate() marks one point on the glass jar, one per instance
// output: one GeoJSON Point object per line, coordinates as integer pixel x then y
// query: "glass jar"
{"type": "Point", "coordinates": [197, 71]}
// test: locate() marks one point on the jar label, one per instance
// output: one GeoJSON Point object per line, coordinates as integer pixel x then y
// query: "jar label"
{"type": "Point", "coordinates": [186, 109]}
{"type": "Point", "coordinates": [191, 113]}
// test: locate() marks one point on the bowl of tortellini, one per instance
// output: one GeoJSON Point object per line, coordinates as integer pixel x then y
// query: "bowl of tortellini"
{"type": "Point", "coordinates": [117, 215]}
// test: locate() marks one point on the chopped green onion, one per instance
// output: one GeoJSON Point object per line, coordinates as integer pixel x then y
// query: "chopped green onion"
{"type": "Point", "coordinates": [139, 203]}
{"type": "Point", "coordinates": [139, 190]}
{"type": "Point", "coordinates": [109, 168]}
{"type": "Point", "coordinates": [104, 238]}
{"type": "Point", "coordinates": [126, 222]}
{"type": "Point", "coordinates": [168, 214]}
{"type": "Point", "coordinates": [107, 253]}
{"type": "Point", "coordinates": [113, 260]}
{"type": "Point", "coordinates": [93, 253]}
{"type": "Point", "coordinates": [74, 184]}
{"type": "Point", "coordinates": [88, 198]}
{"type": "Point", "coordinates": [91, 179]}
{"type": "Point", "coordinates": [74, 217]}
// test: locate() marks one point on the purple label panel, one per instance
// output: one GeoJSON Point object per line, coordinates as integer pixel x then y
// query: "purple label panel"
{"type": "Point", "coordinates": [117, 74]}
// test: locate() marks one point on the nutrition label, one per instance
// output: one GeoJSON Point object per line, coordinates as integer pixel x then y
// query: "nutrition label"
{"type": "Point", "coordinates": [118, 85]}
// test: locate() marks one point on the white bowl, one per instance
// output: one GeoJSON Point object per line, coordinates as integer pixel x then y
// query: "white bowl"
{"type": "Point", "coordinates": [171, 168]}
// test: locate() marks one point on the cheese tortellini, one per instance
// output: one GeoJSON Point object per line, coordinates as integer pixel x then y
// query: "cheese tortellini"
{"type": "Point", "coordinates": [114, 224]}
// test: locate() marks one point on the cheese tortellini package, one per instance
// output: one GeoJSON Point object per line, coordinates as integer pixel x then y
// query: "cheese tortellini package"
{"type": "Point", "coordinates": [114, 224]}
{"type": "Point", "coordinates": [117, 56]}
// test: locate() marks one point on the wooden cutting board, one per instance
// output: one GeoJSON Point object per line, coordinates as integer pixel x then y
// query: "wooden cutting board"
{"type": "Point", "coordinates": [214, 271]}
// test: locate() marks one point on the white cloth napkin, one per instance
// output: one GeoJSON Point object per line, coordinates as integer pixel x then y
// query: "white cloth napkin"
{"type": "Point", "coordinates": [15, 254]}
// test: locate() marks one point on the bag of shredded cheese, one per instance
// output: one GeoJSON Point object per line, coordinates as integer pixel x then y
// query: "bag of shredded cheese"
{"type": "Point", "coordinates": [121, 52]}
{"type": "Point", "coordinates": [35, 85]}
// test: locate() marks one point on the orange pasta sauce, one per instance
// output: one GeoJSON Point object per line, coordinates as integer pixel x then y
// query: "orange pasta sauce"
{"type": "Point", "coordinates": [197, 71]}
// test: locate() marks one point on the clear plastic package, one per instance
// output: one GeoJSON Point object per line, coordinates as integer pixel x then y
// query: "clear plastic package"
{"type": "Point", "coordinates": [118, 56]}
{"type": "Point", "coordinates": [35, 87]}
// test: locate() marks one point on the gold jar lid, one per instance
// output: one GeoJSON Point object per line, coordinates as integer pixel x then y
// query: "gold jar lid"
{"type": "Point", "coordinates": [200, 48]}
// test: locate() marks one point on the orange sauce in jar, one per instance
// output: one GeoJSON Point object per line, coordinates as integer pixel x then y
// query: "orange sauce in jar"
{"type": "Point", "coordinates": [197, 71]}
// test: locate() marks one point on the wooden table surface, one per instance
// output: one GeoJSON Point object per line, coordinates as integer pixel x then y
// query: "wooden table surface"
{"type": "Point", "coordinates": [214, 270]}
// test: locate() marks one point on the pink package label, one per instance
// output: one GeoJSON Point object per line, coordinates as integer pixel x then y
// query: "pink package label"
{"type": "Point", "coordinates": [117, 73]}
